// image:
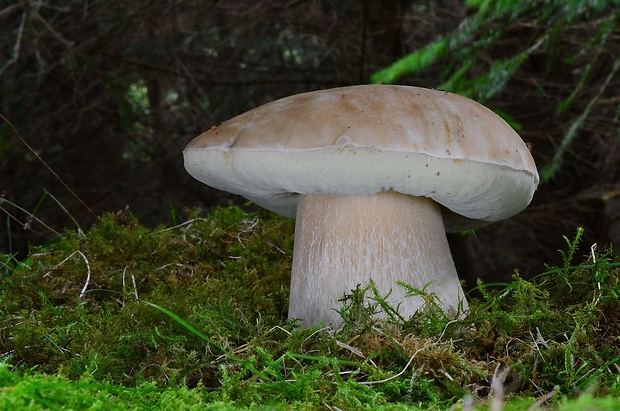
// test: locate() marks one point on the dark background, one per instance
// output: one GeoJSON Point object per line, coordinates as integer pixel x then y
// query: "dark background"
{"type": "Point", "coordinates": [107, 94]}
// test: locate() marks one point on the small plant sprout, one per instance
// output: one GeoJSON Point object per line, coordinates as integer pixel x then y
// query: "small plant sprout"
{"type": "Point", "coordinates": [375, 175]}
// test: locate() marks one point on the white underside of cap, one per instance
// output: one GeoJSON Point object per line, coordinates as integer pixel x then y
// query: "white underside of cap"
{"type": "Point", "coordinates": [479, 193]}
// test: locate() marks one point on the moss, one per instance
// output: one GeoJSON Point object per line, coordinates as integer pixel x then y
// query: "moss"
{"type": "Point", "coordinates": [77, 304]}
{"type": "Point", "coordinates": [78, 308]}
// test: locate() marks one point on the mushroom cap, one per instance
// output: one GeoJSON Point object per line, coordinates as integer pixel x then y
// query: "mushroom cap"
{"type": "Point", "coordinates": [362, 140]}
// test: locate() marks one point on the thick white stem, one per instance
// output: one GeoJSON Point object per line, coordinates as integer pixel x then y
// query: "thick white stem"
{"type": "Point", "coordinates": [343, 241]}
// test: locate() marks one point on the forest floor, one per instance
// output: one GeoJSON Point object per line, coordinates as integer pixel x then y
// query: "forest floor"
{"type": "Point", "coordinates": [194, 317]}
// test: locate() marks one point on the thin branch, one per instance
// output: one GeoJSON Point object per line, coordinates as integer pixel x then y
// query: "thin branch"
{"type": "Point", "coordinates": [411, 358]}
{"type": "Point", "coordinates": [17, 46]}
{"type": "Point", "coordinates": [47, 166]}
{"type": "Point", "coordinates": [31, 217]}
{"type": "Point", "coordinates": [56, 34]}
{"type": "Point", "coordinates": [135, 288]}
{"type": "Point", "coordinates": [87, 275]}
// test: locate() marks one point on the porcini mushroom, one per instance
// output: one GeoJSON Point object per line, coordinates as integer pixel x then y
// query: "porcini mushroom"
{"type": "Point", "coordinates": [375, 175]}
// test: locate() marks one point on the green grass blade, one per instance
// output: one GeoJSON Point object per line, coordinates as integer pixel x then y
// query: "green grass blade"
{"type": "Point", "coordinates": [197, 333]}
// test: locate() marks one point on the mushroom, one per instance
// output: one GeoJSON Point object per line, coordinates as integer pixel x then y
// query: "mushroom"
{"type": "Point", "coordinates": [375, 176]}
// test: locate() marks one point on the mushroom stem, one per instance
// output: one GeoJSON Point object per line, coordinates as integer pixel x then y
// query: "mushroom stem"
{"type": "Point", "coordinates": [343, 241]}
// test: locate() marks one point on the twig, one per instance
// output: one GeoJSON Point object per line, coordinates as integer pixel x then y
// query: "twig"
{"type": "Point", "coordinates": [56, 34]}
{"type": "Point", "coordinates": [320, 330]}
{"type": "Point", "coordinates": [17, 46]}
{"type": "Point", "coordinates": [540, 401]}
{"type": "Point", "coordinates": [179, 225]}
{"type": "Point", "coordinates": [30, 216]}
{"type": "Point", "coordinates": [87, 275]}
{"type": "Point", "coordinates": [122, 301]}
{"type": "Point", "coordinates": [497, 389]}
{"type": "Point", "coordinates": [350, 348]}
{"type": "Point", "coordinates": [411, 359]}
{"type": "Point", "coordinates": [595, 298]}
{"type": "Point", "coordinates": [135, 289]}
{"type": "Point", "coordinates": [47, 166]}
{"type": "Point", "coordinates": [87, 270]}
{"type": "Point", "coordinates": [59, 264]}
{"type": "Point", "coordinates": [445, 328]}
{"type": "Point", "coordinates": [277, 327]}
{"type": "Point", "coordinates": [402, 371]}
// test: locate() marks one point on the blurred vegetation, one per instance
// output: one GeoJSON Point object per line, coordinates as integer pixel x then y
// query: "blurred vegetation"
{"type": "Point", "coordinates": [202, 306]}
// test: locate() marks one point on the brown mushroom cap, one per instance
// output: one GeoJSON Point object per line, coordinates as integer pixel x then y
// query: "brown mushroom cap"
{"type": "Point", "coordinates": [362, 140]}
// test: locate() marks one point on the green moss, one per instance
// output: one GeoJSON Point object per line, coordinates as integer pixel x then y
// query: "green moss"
{"type": "Point", "coordinates": [78, 302]}
{"type": "Point", "coordinates": [35, 391]}
{"type": "Point", "coordinates": [215, 322]}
